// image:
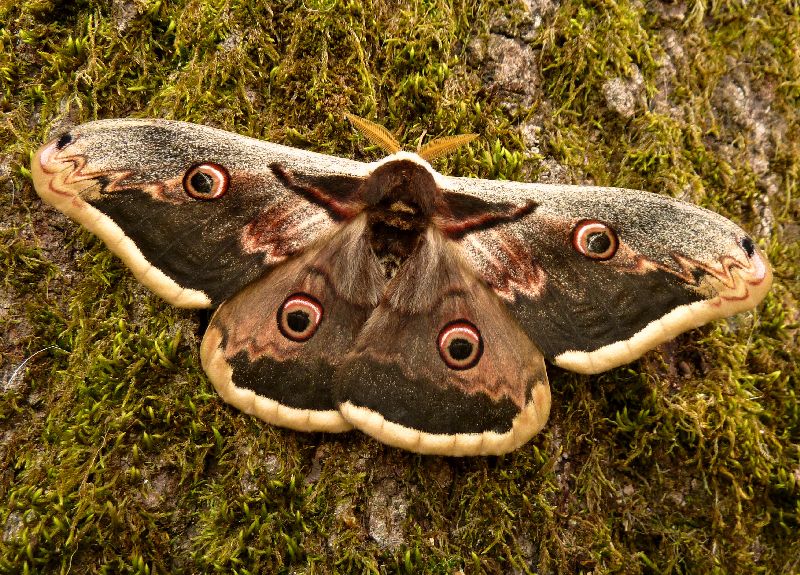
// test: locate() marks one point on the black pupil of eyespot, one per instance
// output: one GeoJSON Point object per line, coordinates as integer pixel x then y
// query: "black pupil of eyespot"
{"type": "Point", "coordinates": [598, 242]}
{"type": "Point", "coordinates": [748, 246]}
{"type": "Point", "coordinates": [298, 321]}
{"type": "Point", "coordinates": [202, 183]}
{"type": "Point", "coordinates": [459, 349]}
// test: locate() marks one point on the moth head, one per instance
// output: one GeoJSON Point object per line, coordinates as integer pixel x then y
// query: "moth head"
{"type": "Point", "coordinates": [402, 182]}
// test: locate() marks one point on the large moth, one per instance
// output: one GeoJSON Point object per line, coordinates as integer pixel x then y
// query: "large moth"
{"type": "Point", "coordinates": [384, 296]}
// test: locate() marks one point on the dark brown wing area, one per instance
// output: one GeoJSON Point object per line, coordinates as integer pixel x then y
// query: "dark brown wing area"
{"type": "Point", "coordinates": [194, 238]}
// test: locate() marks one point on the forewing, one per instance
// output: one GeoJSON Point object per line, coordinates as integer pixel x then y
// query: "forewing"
{"type": "Point", "coordinates": [677, 266]}
{"type": "Point", "coordinates": [396, 385]}
{"type": "Point", "coordinates": [124, 181]}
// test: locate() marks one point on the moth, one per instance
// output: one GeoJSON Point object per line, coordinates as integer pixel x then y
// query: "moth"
{"type": "Point", "coordinates": [385, 296]}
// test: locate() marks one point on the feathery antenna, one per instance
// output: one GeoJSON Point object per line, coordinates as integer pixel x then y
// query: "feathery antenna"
{"type": "Point", "coordinates": [441, 146]}
{"type": "Point", "coordinates": [376, 134]}
{"type": "Point", "coordinates": [384, 139]}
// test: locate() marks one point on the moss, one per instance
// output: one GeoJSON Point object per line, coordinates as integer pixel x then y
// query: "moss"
{"type": "Point", "coordinates": [117, 455]}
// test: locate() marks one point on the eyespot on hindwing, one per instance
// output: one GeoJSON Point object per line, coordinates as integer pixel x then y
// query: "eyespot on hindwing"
{"type": "Point", "coordinates": [460, 344]}
{"type": "Point", "coordinates": [299, 317]}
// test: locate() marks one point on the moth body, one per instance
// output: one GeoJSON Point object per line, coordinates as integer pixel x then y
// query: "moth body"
{"type": "Point", "coordinates": [400, 196]}
{"type": "Point", "coordinates": [416, 307]}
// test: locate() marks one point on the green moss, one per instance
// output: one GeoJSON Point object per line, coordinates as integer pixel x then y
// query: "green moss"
{"type": "Point", "coordinates": [118, 456]}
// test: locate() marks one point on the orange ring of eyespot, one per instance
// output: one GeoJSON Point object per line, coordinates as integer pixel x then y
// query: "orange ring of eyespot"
{"type": "Point", "coordinates": [219, 181]}
{"type": "Point", "coordinates": [467, 331]}
{"type": "Point", "coordinates": [582, 233]}
{"type": "Point", "coordinates": [304, 302]}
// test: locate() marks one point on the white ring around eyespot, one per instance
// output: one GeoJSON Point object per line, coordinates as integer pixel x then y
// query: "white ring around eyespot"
{"type": "Point", "coordinates": [470, 333]}
{"type": "Point", "coordinates": [306, 303]}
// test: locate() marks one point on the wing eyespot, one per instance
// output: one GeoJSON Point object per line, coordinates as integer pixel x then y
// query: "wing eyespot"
{"type": "Point", "coordinates": [460, 345]}
{"type": "Point", "coordinates": [299, 317]}
{"type": "Point", "coordinates": [595, 240]}
{"type": "Point", "coordinates": [206, 181]}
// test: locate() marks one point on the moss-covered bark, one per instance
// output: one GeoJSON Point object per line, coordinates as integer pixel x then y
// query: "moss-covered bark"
{"type": "Point", "coordinates": [118, 457]}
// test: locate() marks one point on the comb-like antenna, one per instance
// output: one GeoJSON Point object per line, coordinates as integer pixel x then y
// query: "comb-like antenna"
{"type": "Point", "coordinates": [376, 134]}
{"type": "Point", "coordinates": [441, 146]}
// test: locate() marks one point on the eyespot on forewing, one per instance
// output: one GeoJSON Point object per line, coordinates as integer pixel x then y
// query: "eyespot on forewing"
{"type": "Point", "coordinates": [206, 181]}
{"type": "Point", "coordinates": [595, 240]}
